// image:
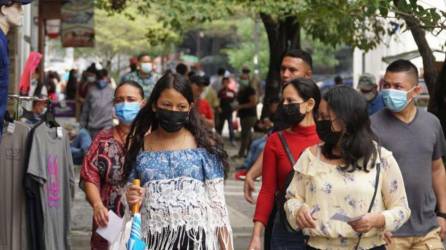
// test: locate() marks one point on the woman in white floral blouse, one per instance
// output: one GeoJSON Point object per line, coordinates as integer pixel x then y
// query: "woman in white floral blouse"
{"type": "Point", "coordinates": [331, 195]}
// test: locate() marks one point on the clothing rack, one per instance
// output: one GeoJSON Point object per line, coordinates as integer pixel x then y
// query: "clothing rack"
{"type": "Point", "coordinates": [20, 99]}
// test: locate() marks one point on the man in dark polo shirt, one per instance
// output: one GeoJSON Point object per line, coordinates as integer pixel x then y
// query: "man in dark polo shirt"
{"type": "Point", "coordinates": [247, 112]}
{"type": "Point", "coordinates": [416, 139]}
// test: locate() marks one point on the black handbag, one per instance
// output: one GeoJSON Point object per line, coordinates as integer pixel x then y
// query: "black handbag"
{"type": "Point", "coordinates": [280, 196]}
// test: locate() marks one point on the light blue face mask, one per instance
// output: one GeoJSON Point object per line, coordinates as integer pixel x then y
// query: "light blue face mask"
{"type": "Point", "coordinates": [395, 100]}
{"type": "Point", "coordinates": [102, 84]}
{"type": "Point", "coordinates": [127, 111]}
{"type": "Point", "coordinates": [146, 67]}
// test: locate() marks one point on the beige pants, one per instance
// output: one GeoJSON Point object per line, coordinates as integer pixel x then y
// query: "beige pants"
{"type": "Point", "coordinates": [430, 241]}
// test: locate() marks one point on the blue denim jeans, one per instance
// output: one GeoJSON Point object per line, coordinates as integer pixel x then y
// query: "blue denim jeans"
{"type": "Point", "coordinates": [226, 117]}
{"type": "Point", "coordinates": [80, 145]}
{"type": "Point", "coordinates": [281, 239]}
{"type": "Point", "coordinates": [255, 150]}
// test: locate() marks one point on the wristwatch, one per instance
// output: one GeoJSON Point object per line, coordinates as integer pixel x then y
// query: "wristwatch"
{"type": "Point", "coordinates": [442, 215]}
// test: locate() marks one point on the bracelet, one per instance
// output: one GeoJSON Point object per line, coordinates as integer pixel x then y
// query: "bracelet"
{"type": "Point", "coordinates": [442, 215]}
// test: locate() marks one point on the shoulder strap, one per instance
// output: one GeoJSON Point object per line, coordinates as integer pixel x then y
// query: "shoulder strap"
{"type": "Point", "coordinates": [378, 171]}
{"type": "Point", "coordinates": [290, 175]}
{"type": "Point", "coordinates": [287, 148]}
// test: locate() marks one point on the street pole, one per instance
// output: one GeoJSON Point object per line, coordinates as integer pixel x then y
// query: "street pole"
{"type": "Point", "coordinates": [256, 46]}
{"type": "Point", "coordinates": [41, 43]}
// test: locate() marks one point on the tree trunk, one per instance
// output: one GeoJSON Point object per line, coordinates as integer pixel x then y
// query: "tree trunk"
{"type": "Point", "coordinates": [439, 97]}
{"type": "Point", "coordinates": [283, 35]}
{"type": "Point", "coordinates": [430, 71]}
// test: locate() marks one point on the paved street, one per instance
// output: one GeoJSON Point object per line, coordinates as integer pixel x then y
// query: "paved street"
{"type": "Point", "coordinates": [240, 213]}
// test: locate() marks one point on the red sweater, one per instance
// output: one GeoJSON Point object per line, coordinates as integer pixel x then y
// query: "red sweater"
{"type": "Point", "coordinates": [276, 165]}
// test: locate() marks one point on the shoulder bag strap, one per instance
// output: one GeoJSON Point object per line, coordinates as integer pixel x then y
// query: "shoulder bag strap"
{"type": "Point", "coordinates": [378, 170]}
{"type": "Point", "coordinates": [287, 148]}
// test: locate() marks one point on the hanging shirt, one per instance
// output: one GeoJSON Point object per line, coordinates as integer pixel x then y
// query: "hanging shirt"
{"type": "Point", "coordinates": [103, 167]}
{"type": "Point", "coordinates": [50, 163]}
{"type": "Point", "coordinates": [184, 205]}
{"type": "Point", "coordinates": [4, 76]}
{"type": "Point", "coordinates": [13, 232]}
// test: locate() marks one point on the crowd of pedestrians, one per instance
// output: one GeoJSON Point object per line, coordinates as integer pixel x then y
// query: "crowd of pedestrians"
{"type": "Point", "coordinates": [341, 169]}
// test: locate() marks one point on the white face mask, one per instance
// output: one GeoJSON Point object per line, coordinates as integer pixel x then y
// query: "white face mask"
{"type": "Point", "coordinates": [91, 79]}
{"type": "Point", "coordinates": [146, 67]}
{"type": "Point", "coordinates": [13, 14]}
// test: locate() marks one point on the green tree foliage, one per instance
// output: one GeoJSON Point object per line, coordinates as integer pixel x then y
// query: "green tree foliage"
{"type": "Point", "coordinates": [242, 51]}
{"type": "Point", "coordinates": [364, 23]}
{"type": "Point", "coordinates": [358, 23]}
{"type": "Point", "coordinates": [126, 33]}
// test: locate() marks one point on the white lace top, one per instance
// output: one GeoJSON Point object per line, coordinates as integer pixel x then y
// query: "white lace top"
{"type": "Point", "coordinates": [184, 205]}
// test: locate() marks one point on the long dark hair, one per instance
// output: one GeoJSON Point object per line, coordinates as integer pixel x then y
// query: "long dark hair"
{"type": "Point", "coordinates": [357, 142]}
{"type": "Point", "coordinates": [147, 120]}
{"type": "Point", "coordinates": [49, 81]}
{"type": "Point", "coordinates": [133, 84]}
{"type": "Point", "coordinates": [72, 85]}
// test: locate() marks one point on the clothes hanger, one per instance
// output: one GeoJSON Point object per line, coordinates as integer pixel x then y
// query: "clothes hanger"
{"type": "Point", "coordinates": [7, 117]}
{"type": "Point", "coordinates": [49, 118]}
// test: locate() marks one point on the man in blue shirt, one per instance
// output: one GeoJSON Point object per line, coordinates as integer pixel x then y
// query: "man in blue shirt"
{"type": "Point", "coordinates": [369, 89]}
{"type": "Point", "coordinates": [11, 14]}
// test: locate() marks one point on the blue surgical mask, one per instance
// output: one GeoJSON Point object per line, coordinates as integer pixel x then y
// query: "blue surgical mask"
{"type": "Point", "coordinates": [146, 67]}
{"type": "Point", "coordinates": [102, 83]}
{"type": "Point", "coordinates": [127, 111]}
{"type": "Point", "coordinates": [395, 100]}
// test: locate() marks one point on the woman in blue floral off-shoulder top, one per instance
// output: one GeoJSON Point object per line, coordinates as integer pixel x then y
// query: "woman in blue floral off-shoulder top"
{"type": "Point", "coordinates": [180, 163]}
{"type": "Point", "coordinates": [330, 196]}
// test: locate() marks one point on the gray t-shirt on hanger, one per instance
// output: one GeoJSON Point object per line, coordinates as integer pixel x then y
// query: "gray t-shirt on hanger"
{"type": "Point", "coordinates": [51, 164]}
{"type": "Point", "coordinates": [414, 146]}
{"type": "Point", "coordinates": [13, 230]}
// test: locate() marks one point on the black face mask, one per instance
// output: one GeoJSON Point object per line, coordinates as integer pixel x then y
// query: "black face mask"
{"type": "Point", "coordinates": [326, 134]}
{"type": "Point", "coordinates": [172, 121]}
{"type": "Point", "coordinates": [291, 114]}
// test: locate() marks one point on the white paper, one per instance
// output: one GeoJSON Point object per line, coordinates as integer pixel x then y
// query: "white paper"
{"type": "Point", "coordinates": [344, 218]}
{"type": "Point", "coordinates": [113, 228]}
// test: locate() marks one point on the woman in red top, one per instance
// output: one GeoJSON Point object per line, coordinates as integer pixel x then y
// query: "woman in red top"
{"type": "Point", "coordinates": [301, 98]}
